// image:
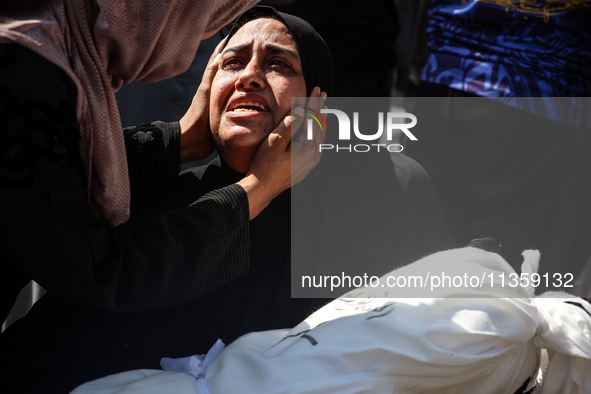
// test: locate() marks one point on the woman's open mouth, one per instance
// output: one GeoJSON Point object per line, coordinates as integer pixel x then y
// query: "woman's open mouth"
{"type": "Point", "coordinates": [248, 106]}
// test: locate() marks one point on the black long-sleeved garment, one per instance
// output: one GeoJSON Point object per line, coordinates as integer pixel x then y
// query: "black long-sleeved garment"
{"type": "Point", "coordinates": [48, 232]}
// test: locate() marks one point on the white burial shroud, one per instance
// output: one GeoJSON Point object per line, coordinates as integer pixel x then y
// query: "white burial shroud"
{"type": "Point", "coordinates": [486, 338]}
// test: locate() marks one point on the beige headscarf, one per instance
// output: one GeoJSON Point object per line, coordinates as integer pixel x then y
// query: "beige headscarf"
{"type": "Point", "coordinates": [101, 44]}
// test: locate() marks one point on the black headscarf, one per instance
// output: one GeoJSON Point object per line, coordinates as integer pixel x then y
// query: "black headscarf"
{"type": "Point", "coordinates": [317, 63]}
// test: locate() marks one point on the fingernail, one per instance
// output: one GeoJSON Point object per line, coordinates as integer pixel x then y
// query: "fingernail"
{"type": "Point", "coordinates": [298, 111]}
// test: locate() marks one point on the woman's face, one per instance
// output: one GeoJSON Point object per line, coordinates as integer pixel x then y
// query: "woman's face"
{"type": "Point", "coordinates": [259, 72]}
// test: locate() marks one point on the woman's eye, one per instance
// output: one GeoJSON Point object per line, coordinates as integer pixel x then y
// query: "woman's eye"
{"type": "Point", "coordinates": [279, 63]}
{"type": "Point", "coordinates": [231, 64]}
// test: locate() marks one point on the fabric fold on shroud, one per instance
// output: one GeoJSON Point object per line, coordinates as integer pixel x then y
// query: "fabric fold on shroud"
{"type": "Point", "coordinates": [487, 336]}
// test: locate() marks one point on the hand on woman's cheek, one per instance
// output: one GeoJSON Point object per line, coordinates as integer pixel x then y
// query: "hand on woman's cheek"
{"type": "Point", "coordinates": [287, 155]}
{"type": "Point", "coordinates": [196, 139]}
